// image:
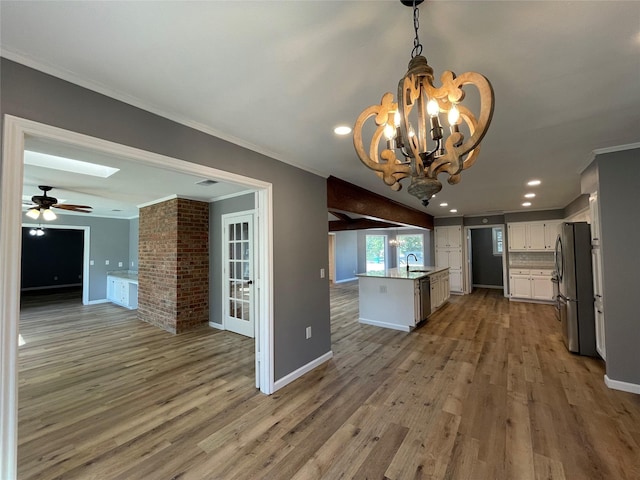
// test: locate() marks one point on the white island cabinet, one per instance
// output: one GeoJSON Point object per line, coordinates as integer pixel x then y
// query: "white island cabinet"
{"type": "Point", "coordinates": [122, 288]}
{"type": "Point", "coordinates": [400, 299]}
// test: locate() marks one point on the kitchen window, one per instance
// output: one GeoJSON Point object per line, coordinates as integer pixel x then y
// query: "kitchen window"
{"type": "Point", "coordinates": [498, 244]}
{"type": "Point", "coordinates": [408, 244]}
{"type": "Point", "coordinates": [376, 252]}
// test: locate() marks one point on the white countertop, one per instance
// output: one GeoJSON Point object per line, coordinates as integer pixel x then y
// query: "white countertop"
{"type": "Point", "coordinates": [125, 274]}
{"type": "Point", "coordinates": [401, 272]}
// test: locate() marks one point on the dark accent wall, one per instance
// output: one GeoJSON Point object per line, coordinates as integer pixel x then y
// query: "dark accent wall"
{"type": "Point", "coordinates": [241, 203]}
{"type": "Point", "coordinates": [486, 267]}
{"type": "Point", "coordinates": [301, 297]}
{"type": "Point", "coordinates": [52, 260]}
{"type": "Point", "coordinates": [618, 181]}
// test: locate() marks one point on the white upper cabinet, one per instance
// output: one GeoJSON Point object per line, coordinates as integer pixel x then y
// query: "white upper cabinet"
{"type": "Point", "coordinates": [533, 236]}
{"type": "Point", "coordinates": [448, 237]}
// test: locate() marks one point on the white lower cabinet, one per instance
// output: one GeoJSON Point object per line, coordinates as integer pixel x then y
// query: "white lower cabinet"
{"type": "Point", "coordinates": [452, 258]}
{"type": "Point", "coordinates": [122, 291]}
{"type": "Point", "coordinates": [439, 290]}
{"type": "Point", "coordinates": [531, 284]}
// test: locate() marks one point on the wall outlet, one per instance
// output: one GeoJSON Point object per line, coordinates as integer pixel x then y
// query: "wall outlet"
{"type": "Point", "coordinates": [91, 262]}
{"type": "Point", "coordinates": [106, 262]}
{"type": "Point", "coordinates": [308, 333]}
{"type": "Point", "coordinates": [120, 264]}
{"type": "Point", "coordinates": [322, 273]}
{"type": "Point", "coordinates": [132, 264]}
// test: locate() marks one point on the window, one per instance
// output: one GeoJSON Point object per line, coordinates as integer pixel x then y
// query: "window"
{"type": "Point", "coordinates": [375, 252]}
{"type": "Point", "coordinates": [410, 244]}
{"type": "Point", "coordinates": [497, 240]}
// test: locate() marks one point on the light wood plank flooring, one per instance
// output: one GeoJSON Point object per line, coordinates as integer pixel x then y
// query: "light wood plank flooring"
{"type": "Point", "coordinates": [484, 390]}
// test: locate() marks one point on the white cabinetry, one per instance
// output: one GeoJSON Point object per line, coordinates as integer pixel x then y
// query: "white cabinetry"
{"type": "Point", "coordinates": [532, 236]}
{"type": "Point", "coordinates": [439, 290]}
{"type": "Point", "coordinates": [531, 284]}
{"type": "Point", "coordinates": [123, 291]}
{"type": "Point", "coordinates": [449, 254]}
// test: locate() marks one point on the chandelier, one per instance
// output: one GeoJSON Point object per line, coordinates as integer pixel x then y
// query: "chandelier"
{"type": "Point", "coordinates": [412, 126]}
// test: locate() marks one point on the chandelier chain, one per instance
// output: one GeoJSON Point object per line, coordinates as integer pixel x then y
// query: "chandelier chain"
{"type": "Point", "coordinates": [417, 46]}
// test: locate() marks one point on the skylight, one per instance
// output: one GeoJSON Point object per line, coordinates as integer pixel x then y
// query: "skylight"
{"type": "Point", "coordinates": [38, 159]}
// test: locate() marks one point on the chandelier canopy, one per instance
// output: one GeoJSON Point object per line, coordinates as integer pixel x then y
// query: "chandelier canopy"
{"type": "Point", "coordinates": [412, 126]}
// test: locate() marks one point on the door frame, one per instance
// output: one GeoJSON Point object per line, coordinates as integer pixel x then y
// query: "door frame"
{"type": "Point", "coordinates": [468, 274]}
{"type": "Point", "coordinates": [15, 131]}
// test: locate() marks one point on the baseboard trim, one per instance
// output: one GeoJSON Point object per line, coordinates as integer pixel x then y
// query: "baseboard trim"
{"type": "Point", "coordinates": [219, 326]}
{"type": "Point", "coordinates": [622, 386]}
{"type": "Point", "coordinates": [96, 302]}
{"type": "Point", "coordinates": [377, 323]}
{"type": "Point", "coordinates": [287, 379]}
{"type": "Point", "coordinates": [346, 280]}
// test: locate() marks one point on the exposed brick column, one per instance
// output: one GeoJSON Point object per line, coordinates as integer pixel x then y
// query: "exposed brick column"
{"type": "Point", "coordinates": [173, 273]}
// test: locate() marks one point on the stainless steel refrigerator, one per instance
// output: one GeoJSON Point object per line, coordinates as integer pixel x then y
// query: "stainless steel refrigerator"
{"type": "Point", "coordinates": [574, 292]}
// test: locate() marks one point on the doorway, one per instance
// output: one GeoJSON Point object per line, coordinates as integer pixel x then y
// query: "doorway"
{"type": "Point", "coordinates": [486, 258]}
{"type": "Point", "coordinates": [16, 130]}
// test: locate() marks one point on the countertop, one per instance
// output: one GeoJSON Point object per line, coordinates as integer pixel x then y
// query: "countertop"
{"type": "Point", "coordinates": [401, 273]}
{"type": "Point", "coordinates": [125, 274]}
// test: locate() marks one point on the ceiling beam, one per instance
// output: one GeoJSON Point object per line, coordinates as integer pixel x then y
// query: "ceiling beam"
{"type": "Point", "coordinates": [347, 197]}
{"type": "Point", "coordinates": [357, 224]}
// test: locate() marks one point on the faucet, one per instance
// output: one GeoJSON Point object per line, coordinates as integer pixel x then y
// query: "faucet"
{"type": "Point", "coordinates": [414, 257]}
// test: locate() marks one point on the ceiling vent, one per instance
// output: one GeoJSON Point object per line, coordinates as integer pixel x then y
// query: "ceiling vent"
{"type": "Point", "coordinates": [206, 183]}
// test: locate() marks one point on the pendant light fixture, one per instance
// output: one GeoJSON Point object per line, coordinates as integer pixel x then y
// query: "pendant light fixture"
{"type": "Point", "coordinates": [412, 126]}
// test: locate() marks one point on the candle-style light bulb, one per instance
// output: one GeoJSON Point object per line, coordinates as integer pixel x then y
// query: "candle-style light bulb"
{"type": "Point", "coordinates": [389, 131]}
{"type": "Point", "coordinates": [432, 107]}
{"type": "Point", "coordinates": [396, 119]}
{"type": "Point", "coordinates": [454, 116]}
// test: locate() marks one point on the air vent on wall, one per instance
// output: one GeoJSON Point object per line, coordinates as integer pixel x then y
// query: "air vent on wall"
{"type": "Point", "coordinates": [206, 183]}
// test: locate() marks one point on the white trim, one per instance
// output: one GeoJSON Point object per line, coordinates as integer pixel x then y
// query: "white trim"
{"type": "Point", "coordinates": [377, 323]}
{"type": "Point", "coordinates": [136, 102]}
{"type": "Point", "coordinates": [86, 253]}
{"type": "Point", "coordinates": [231, 195]}
{"type": "Point", "coordinates": [215, 325]}
{"type": "Point", "coordinates": [15, 130]}
{"type": "Point", "coordinates": [346, 280]}
{"type": "Point", "coordinates": [157, 200]}
{"type": "Point", "coordinates": [622, 386]}
{"type": "Point", "coordinates": [616, 148]}
{"type": "Point", "coordinates": [287, 379]}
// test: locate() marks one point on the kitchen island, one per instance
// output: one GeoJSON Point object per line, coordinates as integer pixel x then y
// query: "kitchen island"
{"type": "Point", "coordinates": [398, 298]}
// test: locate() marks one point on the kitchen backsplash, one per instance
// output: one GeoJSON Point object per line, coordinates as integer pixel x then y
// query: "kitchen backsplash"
{"type": "Point", "coordinates": [531, 259]}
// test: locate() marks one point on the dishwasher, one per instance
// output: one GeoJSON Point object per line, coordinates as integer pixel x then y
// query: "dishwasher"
{"type": "Point", "coordinates": [425, 298]}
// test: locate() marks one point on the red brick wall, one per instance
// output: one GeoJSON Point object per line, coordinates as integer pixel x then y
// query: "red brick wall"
{"type": "Point", "coordinates": [173, 272]}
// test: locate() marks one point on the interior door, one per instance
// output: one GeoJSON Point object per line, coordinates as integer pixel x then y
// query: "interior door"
{"type": "Point", "coordinates": [238, 275]}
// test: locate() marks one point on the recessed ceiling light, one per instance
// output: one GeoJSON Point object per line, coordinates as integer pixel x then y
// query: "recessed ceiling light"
{"type": "Point", "coordinates": [38, 159]}
{"type": "Point", "coordinates": [526, 204]}
{"type": "Point", "coordinates": [534, 183]}
{"type": "Point", "coordinates": [530, 195]}
{"type": "Point", "coordinates": [453, 210]}
{"type": "Point", "coordinates": [342, 130]}
{"type": "Point", "coordinates": [444, 204]}
{"type": "Point", "coordinates": [433, 196]}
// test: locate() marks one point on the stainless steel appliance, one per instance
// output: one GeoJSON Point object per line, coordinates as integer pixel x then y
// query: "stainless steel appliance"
{"type": "Point", "coordinates": [574, 296]}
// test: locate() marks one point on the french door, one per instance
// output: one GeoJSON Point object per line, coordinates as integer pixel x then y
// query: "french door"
{"type": "Point", "coordinates": [238, 274]}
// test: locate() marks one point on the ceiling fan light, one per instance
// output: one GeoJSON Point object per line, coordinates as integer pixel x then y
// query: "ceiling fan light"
{"type": "Point", "coordinates": [33, 213]}
{"type": "Point", "coordinates": [48, 215]}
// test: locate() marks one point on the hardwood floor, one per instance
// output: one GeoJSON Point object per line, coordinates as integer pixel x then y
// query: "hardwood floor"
{"type": "Point", "coordinates": [484, 390]}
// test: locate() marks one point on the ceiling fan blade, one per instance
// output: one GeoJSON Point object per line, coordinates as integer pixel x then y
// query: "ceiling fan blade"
{"type": "Point", "coordinates": [71, 205]}
{"type": "Point", "coordinates": [74, 208]}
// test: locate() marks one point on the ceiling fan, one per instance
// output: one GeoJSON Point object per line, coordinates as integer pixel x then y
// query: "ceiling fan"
{"type": "Point", "coordinates": [44, 203]}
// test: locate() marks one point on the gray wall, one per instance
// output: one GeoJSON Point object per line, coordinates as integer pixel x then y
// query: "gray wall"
{"type": "Point", "coordinates": [619, 194]}
{"type": "Point", "coordinates": [580, 204]}
{"type": "Point", "coordinates": [346, 255]}
{"type": "Point", "coordinates": [134, 231]}
{"type": "Point", "coordinates": [301, 296]}
{"type": "Point", "coordinates": [534, 216]}
{"type": "Point", "coordinates": [109, 240]}
{"type": "Point", "coordinates": [216, 210]}
{"type": "Point", "coordinates": [486, 267]}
